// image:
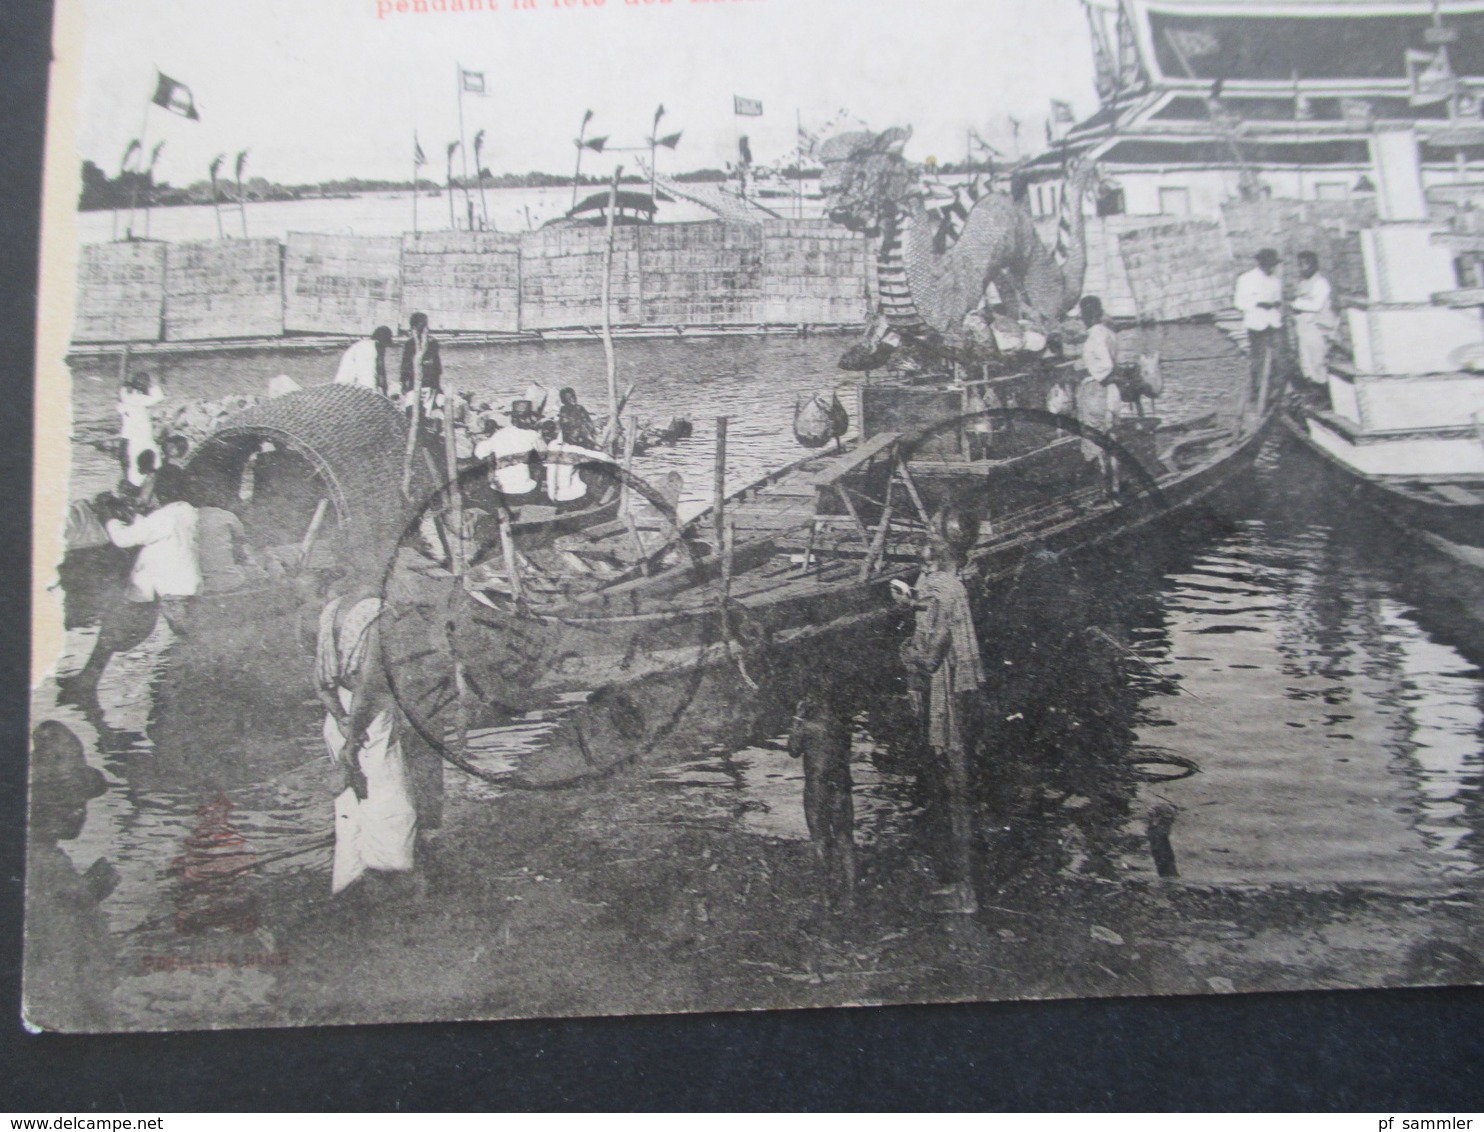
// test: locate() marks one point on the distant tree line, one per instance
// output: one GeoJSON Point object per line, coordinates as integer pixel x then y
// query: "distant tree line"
{"type": "Point", "coordinates": [134, 189]}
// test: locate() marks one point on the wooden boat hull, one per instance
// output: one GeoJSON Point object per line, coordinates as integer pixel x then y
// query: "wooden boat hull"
{"type": "Point", "coordinates": [648, 671]}
{"type": "Point", "coordinates": [1451, 508]}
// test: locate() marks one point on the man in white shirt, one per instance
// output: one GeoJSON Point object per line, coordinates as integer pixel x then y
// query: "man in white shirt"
{"type": "Point", "coordinates": [364, 362]}
{"type": "Point", "coordinates": [1259, 297]}
{"type": "Point", "coordinates": [1314, 320]}
{"type": "Point", "coordinates": [1098, 398]}
{"type": "Point", "coordinates": [566, 485]}
{"type": "Point", "coordinates": [511, 452]}
{"type": "Point", "coordinates": [166, 574]}
{"type": "Point", "coordinates": [167, 568]}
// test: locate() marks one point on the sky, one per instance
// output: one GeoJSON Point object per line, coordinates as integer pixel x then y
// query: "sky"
{"type": "Point", "coordinates": [324, 89]}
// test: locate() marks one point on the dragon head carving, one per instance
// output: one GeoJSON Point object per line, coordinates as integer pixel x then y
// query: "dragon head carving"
{"type": "Point", "coordinates": [865, 177]}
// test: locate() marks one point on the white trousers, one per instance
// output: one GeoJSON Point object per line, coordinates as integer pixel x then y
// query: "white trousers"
{"type": "Point", "coordinates": [376, 832]}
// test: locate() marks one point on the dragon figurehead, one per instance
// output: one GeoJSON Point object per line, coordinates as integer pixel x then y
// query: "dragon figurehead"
{"type": "Point", "coordinates": [935, 265]}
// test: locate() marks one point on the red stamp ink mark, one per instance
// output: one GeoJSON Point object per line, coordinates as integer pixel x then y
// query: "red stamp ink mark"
{"type": "Point", "coordinates": [212, 870]}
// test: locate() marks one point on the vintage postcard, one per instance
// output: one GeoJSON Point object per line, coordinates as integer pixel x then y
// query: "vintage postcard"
{"type": "Point", "coordinates": [575, 507]}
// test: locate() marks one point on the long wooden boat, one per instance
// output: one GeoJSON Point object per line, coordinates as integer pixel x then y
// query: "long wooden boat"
{"type": "Point", "coordinates": [809, 551]}
{"type": "Point", "coordinates": [1446, 507]}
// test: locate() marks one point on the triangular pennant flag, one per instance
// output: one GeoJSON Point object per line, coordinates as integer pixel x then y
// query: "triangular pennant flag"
{"type": "Point", "coordinates": [175, 97]}
{"type": "Point", "coordinates": [669, 141]}
{"type": "Point", "coordinates": [594, 144]}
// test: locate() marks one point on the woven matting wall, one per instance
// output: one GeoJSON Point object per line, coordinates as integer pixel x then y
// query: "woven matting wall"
{"type": "Point", "coordinates": [341, 284]}
{"type": "Point", "coordinates": [814, 272]}
{"type": "Point", "coordinates": [463, 280]}
{"type": "Point", "coordinates": [223, 289]}
{"type": "Point", "coordinates": [561, 277]}
{"type": "Point", "coordinates": [700, 274]}
{"type": "Point", "coordinates": [1179, 270]}
{"type": "Point", "coordinates": [120, 292]}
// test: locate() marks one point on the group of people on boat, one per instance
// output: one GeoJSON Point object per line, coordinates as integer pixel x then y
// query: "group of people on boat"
{"type": "Point", "coordinates": [529, 458]}
{"type": "Point", "coordinates": [1260, 300]}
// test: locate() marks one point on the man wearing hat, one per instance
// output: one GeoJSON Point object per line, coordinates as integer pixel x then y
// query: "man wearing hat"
{"type": "Point", "coordinates": [364, 362]}
{"type": "Point", "coordinates": [1259, 297]}
{"type": "Point", "coordinates": [514, 454]}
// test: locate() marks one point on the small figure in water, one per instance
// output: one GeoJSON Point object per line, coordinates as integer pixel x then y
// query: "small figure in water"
{"type": "Point", "coordinates": [820, 735]}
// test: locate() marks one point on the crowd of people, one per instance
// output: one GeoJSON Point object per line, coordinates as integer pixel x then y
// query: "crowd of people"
{"type": "Point", "coordinates": [528, 458]}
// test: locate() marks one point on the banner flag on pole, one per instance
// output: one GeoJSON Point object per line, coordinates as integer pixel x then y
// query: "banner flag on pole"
{"type": "Point", "coordinates": [1429, 77]}
{"type": "Point", "coordinates": [175, 97]}
{"type": "Point", "coordinates": [472, 81]}
{"type": "Point", "coordinates": [1061, 112]}
{"type": "Point", "coordinates": [419, 158]}
{"type": "Point", "coordinates": [747, 107]}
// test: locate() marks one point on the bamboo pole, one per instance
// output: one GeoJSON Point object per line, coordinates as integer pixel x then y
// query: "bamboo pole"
{"type": "Point", "coordinates": [415, 420]}
{"type": "Point", "coordinates": [608, 358]}
{"type": "Point", "coordinates": [624, 497]}
{"type": "Point", "coordinates": [306, 547]}
{"type": "Point", "coordinates": [455, 491]}
{"type": "Point", "coordinates": [720, 482]}
{"type": "Point", "coordinates": [507, 549]}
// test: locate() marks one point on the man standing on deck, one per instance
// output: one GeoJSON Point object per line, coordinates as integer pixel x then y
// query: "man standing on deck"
{"type": "Point", "coordinates": [1313, 320]}
{"type": "Point", "coordinates": [1259, 296]}
{"type": "Point", "coordinates": [421, 345]}
{"type": "Point", "coordinates": [364, 362]}
{"type": "Point", "coordinates": [1098, 398]}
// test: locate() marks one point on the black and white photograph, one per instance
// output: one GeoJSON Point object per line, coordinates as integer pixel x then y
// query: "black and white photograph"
{"type": "Point", "coordinates": [561, 508]}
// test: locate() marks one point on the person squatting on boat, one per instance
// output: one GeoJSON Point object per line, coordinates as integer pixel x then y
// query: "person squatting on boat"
{"type": "Point", "coordinates": [514, 453]}
{"type": "Point", "coordinates": [364, 362]}
{"type": "Point", "coordinates": [1099, 400]}
{"type": "Point", "coordinates": [820, 735]}
{"type": "Point", "coordinates": [1259, 298]}
{"type": "Point", "coordinates": [575, 421]}
{"type": "Point", "coordinates": [572, 471]}
{"type": "Point", "coordinates": [375, 819]}
{"type": "Point", "coordinates": [945, 673]}
{"type": "Point", "coordinates": [1314, 321]}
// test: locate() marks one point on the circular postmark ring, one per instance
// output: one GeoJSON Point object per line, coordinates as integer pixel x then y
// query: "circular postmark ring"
{"type": "Point", "coordinates": [444, 626]}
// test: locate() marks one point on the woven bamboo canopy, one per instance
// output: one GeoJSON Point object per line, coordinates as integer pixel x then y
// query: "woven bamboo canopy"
{"type": "Point", "coordinates": [352, 439]}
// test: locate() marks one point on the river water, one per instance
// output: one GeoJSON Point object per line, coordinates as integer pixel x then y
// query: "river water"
{"type": "Point", "coordinates": [1277, 683]}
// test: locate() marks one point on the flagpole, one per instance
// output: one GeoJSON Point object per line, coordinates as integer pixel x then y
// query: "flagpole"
{"type": "Point", "coordinates": [484, 207]}
{"type": "Point", "coordinates": [463, 149]}
{"type": "Point", "coordinates": [799, 162]}
{"type": "Point", "coordinates": [577, 172]}
{"type": "Point", "coordinates": [414, 182]}
{"type": "Point", "coordinates": [143, 142]}
{"type": "Point", "coordinates": [149, 190]}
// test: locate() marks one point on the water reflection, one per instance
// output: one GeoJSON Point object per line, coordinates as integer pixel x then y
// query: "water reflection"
{"type": "Point", "coordinates": [1273, 703]}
